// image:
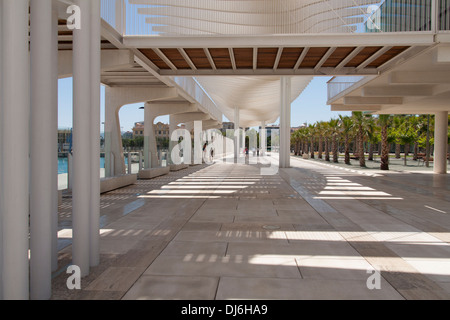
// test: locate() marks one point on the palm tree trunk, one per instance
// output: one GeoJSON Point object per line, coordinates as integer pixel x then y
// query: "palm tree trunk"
{"type": "Point", "coordinates": [312, 148]}
{"type": "Point", "coordinates": [327, 154]}
{"type": "Point", "coordinates": [335, 148]}
{"type": "Point", "coordinates": [416, 150]}
{"type": "Point", "coordinates": [347, 150]}
{"type": "Point", "coordinates": [320, 147]}
{"type": "Point", "coordinates": [370, 158]}
{"type": "Point", "coordinates": [362, 160]}
{"type": "Point", "coordinates": [384, 149]}
{"type": "Point", "coordinates": [397, 151]}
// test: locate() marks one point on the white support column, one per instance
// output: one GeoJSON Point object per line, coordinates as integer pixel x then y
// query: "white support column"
{"type": "Point", "coordinates": [81, 140]}
{"type": "Point", "coordinates": [198, 142]}
{"type": "Point", "coordinates": [129, 162]}
{"type": "Point", "coordinates": [262, 139]}
{"type": "Point", "coordinates": [150, 146]}
{"type": "Point", "coordinates": [54, 125]}
{"type": "Point", "coordinates": [42, 147]}
{"type": "Point", "coordinates": [94, 223]}
{"type": "Point", "coordinates": [285, 122]}
{"type": "Point", "coordinates": [243, 139]}
{"type": "Point", "coordinates": [152, 111]}
{"type": "Point", "coordinates": [440, 142]}
{"type": "Point", "coordinates": [434, 15]}
{"type": "Point", "coordinates": [114, 163]}
{"type": "Point", "coordinates": [236, 139]}
{"type": "Point", "coordinates": [15, 73]}
{"type": "Point", "coordinates": [115, 98]}
{"type": "Point", "coordinates": [172, 127]}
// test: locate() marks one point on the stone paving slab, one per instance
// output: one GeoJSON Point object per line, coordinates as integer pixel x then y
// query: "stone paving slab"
{"type": "Point", "coordinates": [150, 287]}
{"type": "Point", "coordinates": [301, 289]}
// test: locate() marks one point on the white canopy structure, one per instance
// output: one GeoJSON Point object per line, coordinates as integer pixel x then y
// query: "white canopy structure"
{"type": "Point", "coordinates": [257, 98]}
{"type": "Point", "coordinates": [202, 17]}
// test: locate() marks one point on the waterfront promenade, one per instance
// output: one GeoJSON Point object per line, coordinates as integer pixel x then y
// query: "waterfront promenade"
{"type": "Point", "coordinates": [312, 231]}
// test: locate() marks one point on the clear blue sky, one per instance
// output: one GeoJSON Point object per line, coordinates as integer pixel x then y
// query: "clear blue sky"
{"type": "Point", "coordinates": [309, 107]}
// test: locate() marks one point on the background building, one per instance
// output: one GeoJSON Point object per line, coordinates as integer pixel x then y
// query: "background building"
{"type": "Point", "coordinates": [64, 140]}
{"type": "Point", "coordinates": [138, 129]}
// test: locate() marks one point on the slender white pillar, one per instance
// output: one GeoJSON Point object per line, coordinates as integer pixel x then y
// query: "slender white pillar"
{"type": "Point", "coordinates": [236, 139]}
{"type": "Point", "coordinates": [81, 140]}
{"type": "Point", "coordinates": [54, 125]}
{"type": "Point", "coordinates": [152, 111]}
{"type": "Point", "coordinates": [243, 138]}
{"type": "Point", "coordinates": [113, 140]}
{"type": "Point", "coordinates": [42, 149]}
{"type": "Point", "coordinates": [94, 223]}
{"type": "Point", "coordinates": [150, 147]}
{"type": "Point", "coordinates": [15, 103]}
{"type": "Point", "coordinates": [262, 139]}
{"type": "Point", "coordinates": [172, 127]}
{"type": "Point", "coordinates": [285, 122]}
{"type": "Point", "coordinates": [129, 162]}
{"type": "Point", "coordinates": [115, 98]}
{"type": "Point", "coordinates": [198, 142]}
{"type": "Point", "coordinates": [440, 142]}
{"type": "Point", "coordinates": [434, 15]}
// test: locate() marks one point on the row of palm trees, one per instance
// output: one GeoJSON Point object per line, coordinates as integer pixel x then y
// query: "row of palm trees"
{"type": "Point", "coordinates": [363, 130]}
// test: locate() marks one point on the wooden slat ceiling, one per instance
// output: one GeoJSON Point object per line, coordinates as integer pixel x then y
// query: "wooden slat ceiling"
{"type": "Point", "coordinates": [289, 59]}
{"type": "Point", "coordinates": [65, 41]}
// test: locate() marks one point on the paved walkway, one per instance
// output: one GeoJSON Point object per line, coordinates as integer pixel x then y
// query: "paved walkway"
{"type": "Point", "coordinates": [309, 232]}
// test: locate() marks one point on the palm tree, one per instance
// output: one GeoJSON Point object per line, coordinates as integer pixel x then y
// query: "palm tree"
{"type": "Point", "coordinates": [418, 124]}
{"type": "Point", "coordinates": [312, 133]}
{"type": "Point", "coordinates": [397, 123]}
{"type": "Point", "coordinates": [326, 129]}
{"type": "Point", "coordinates": [372, 134]}
{"type": "Point", "coordinates": [320, 134]}
{"type": "Point", "coordinates": [334, 131]}
{"type": "Point", "coordinates": [346, 124]}
{"type": "Point", "coordinates": [304, 140]}
{"type": "Point", "coordinates": [384, 121]}
{"type": "Point", "coordinates": [406, 135]}
{"type": "Point", "coordinates": [360, 122]}
{"type": "Point", "coordinates": [295, 141]}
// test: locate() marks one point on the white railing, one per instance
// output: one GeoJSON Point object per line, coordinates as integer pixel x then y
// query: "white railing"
{"type": "Point", "coordinates": [444, 15]}
{"type": "Point", "coordinates": [339, 84]}
{"type": "Point", "coordinates": [410, 15]}
{"type": "Point", "coordinates": [112, 11]}
{"type": "Point", "coordinates": [192, 88]}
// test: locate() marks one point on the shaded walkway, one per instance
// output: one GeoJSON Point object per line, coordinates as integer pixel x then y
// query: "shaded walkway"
{"type": "Point", "coordinates": [309, 232]}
